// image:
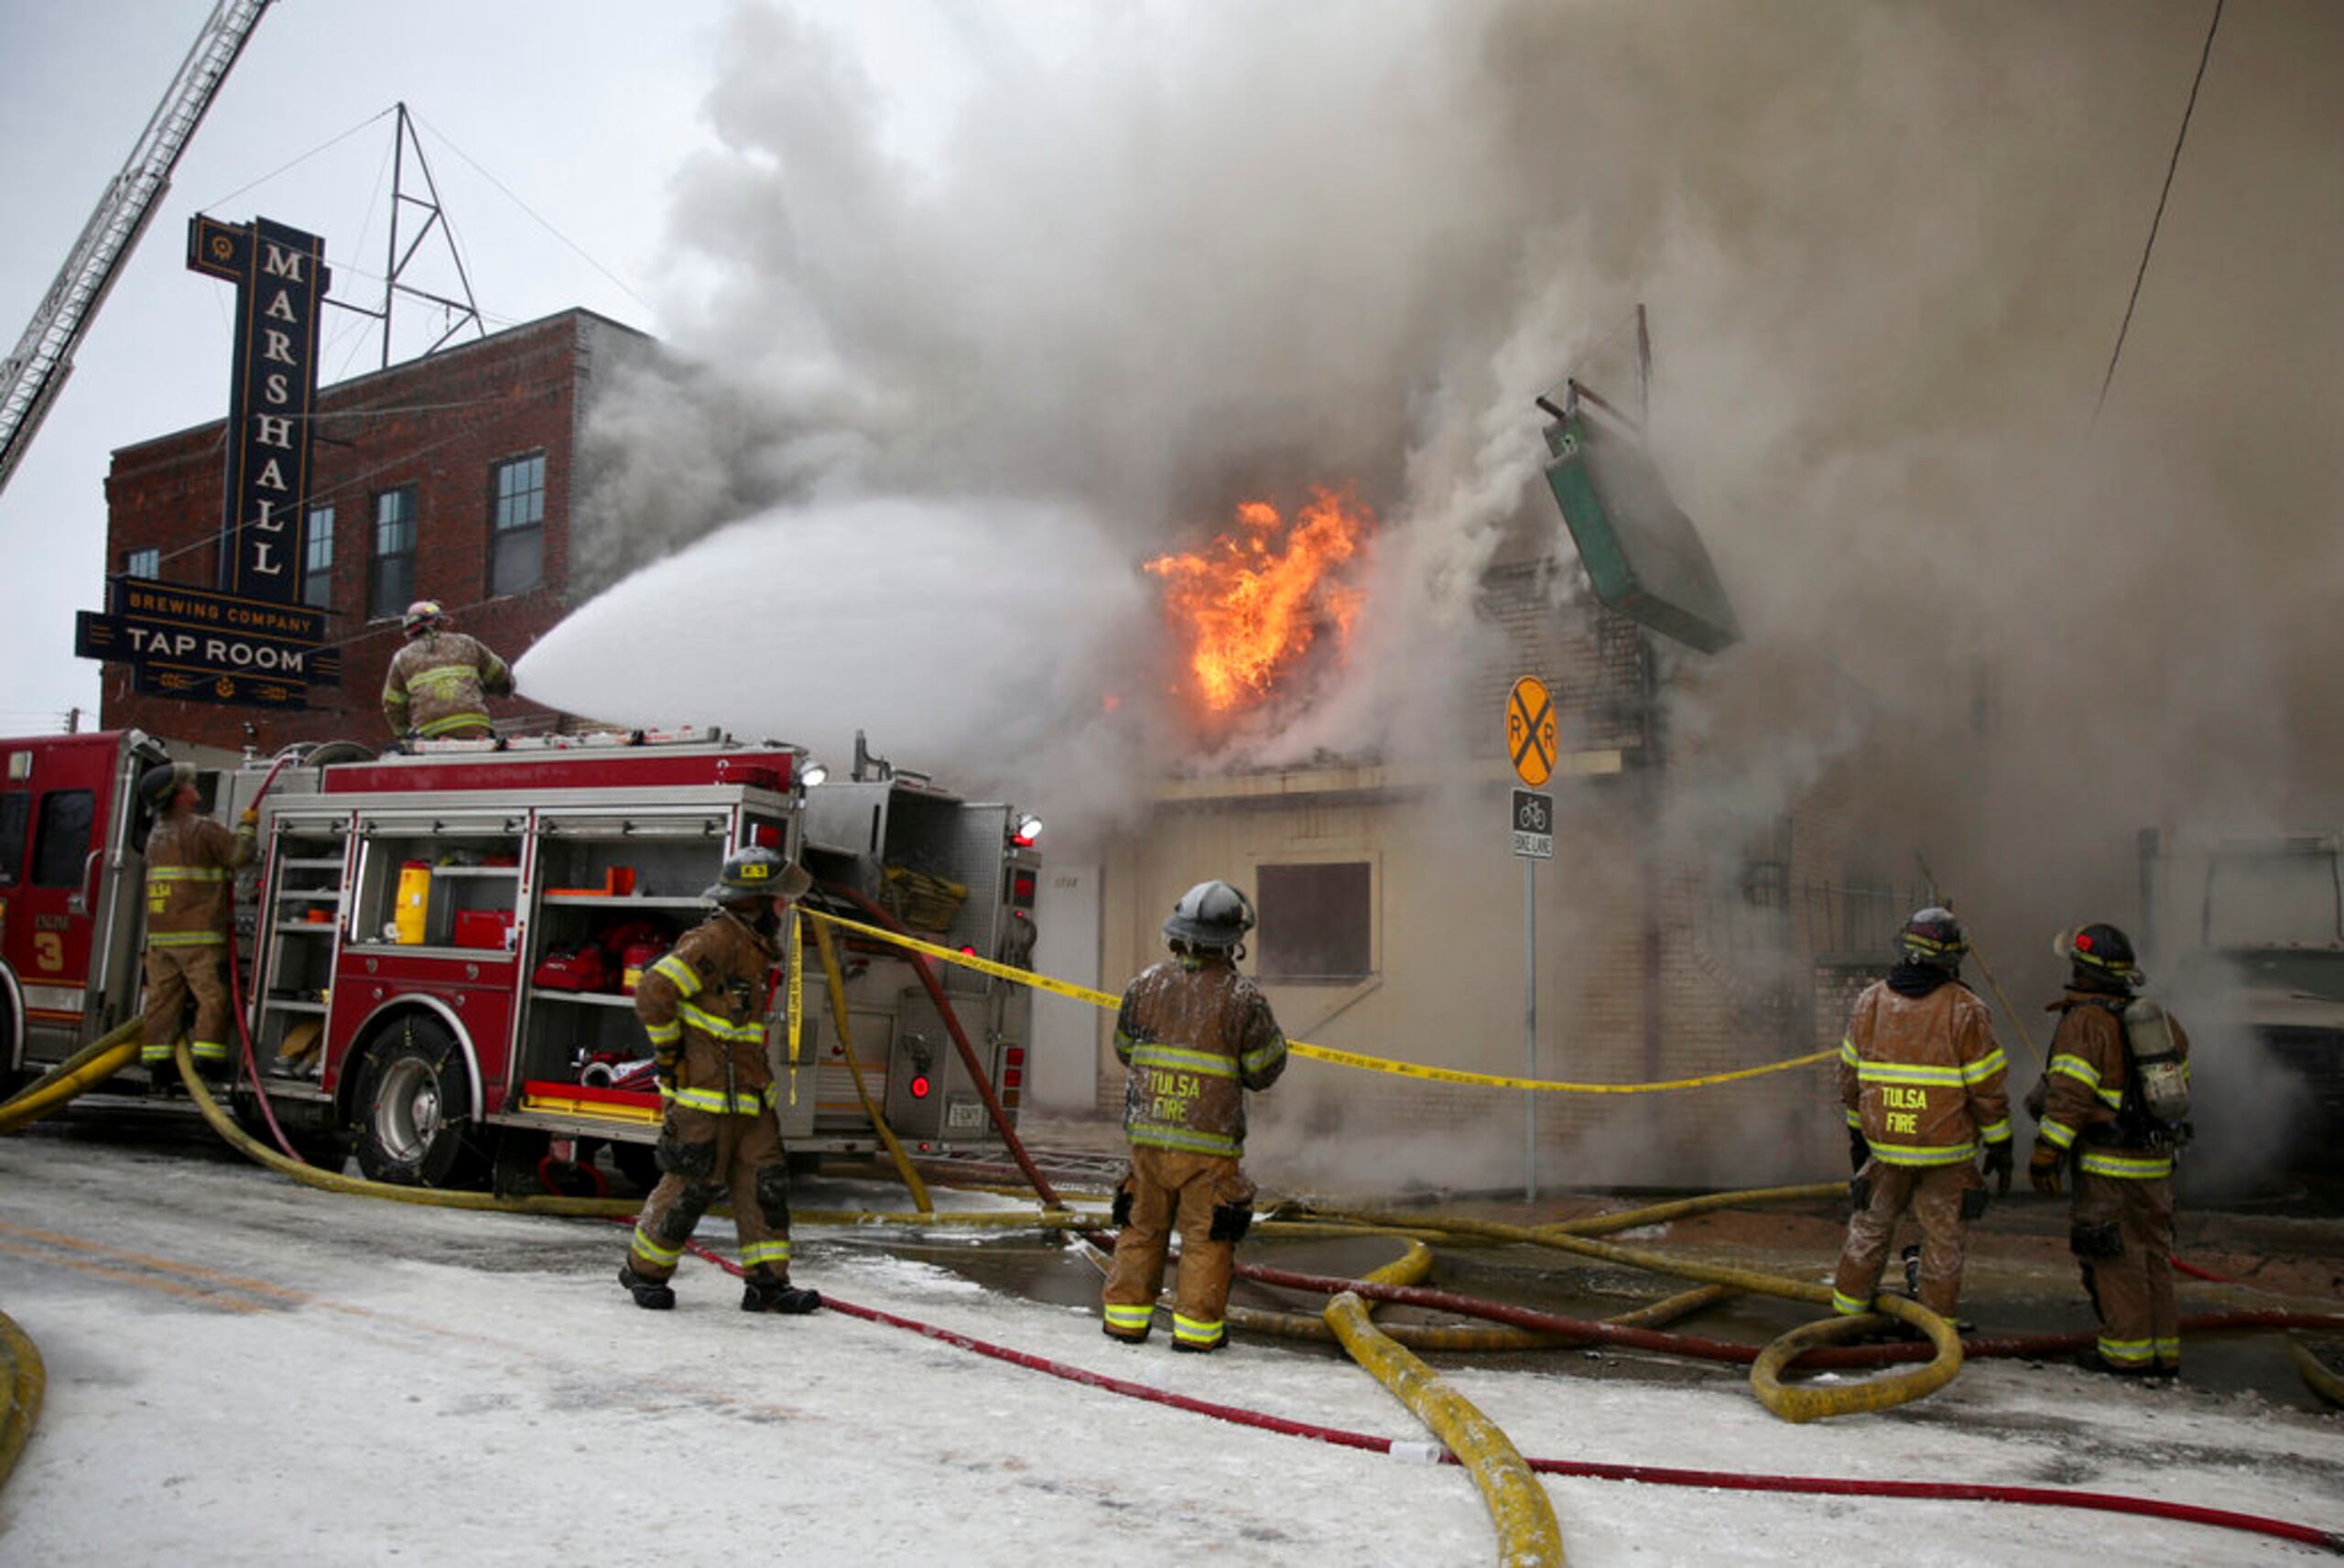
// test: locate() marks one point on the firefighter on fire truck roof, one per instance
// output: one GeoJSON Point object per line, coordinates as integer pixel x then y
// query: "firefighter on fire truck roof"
{"type": "Point", "coordinates": [191, 864]}
{"type": "Point", "coordinates": [1195, 1035]}
{"type": "Point", "coordinates": [1922, 1080]}
{"type": "Point", "coordinates": [703, 1006]}
{"type": "Point", "coordinates": [2116, 1100]}
{"type": "Point", "coordinates": [439, 685]}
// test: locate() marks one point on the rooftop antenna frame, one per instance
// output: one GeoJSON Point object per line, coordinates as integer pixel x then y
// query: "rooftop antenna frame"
{"type": "Point", "coordinates": [396, 260]}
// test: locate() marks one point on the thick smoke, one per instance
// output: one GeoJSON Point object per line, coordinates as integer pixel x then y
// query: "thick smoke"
{"type": "Point", "coordinates": [1188, 255]}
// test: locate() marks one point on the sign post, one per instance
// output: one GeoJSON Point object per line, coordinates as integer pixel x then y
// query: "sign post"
{"type": "Point", "coordinates": [1530, 732]}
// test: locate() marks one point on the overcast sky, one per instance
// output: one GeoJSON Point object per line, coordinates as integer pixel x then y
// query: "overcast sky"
{"type": "Point", "coordinates": [582, 111]}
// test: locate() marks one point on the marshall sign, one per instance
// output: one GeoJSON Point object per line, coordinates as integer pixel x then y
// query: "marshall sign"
{"type": "Point", "coordinates": [253, 640]}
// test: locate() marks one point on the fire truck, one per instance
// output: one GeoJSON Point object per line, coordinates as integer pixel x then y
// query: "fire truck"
{"type": "Point", "coordinates": [437, 949]}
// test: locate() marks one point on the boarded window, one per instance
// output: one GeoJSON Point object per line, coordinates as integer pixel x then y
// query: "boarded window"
{"type": "Point", "coordinates": [1317, 922]}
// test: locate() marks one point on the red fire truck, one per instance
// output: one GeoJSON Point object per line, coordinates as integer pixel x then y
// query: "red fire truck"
{"type": "Point", "coordinates": [437, 949]}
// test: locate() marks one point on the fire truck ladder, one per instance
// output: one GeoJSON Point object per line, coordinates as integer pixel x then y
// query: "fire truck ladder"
{"type": "Point", "coordinates": [36, 371]}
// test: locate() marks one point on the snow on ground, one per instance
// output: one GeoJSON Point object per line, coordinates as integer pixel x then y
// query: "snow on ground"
{"type": "Point", "coordinates": [240, 1370]}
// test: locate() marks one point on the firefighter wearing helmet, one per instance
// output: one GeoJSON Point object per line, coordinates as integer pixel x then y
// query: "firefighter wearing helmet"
{"type": "Point", "coordinates": [1922, 1082]}
{"type": "Point", "coordinates": [439, 685]}
{"type": "Point", "coordinates": [1195, 1035]}
{"type": "Point", "coordinates": [703, 1004]}
{"type": "Point", "coordinates": [191, 864]}
{"type": "Point", "coordinates": [2115, 1100]}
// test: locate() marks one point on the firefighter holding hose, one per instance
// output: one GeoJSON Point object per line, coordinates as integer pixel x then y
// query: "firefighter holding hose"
{"type": "Point", "coordinates": [1923, 1084]}
{"type": "Point", "coordinates": [191, 865]}
{"type": "Point", "coordinates": [2116, 1100]}
{"type": "Point", "coordinates": [439, 685]}
{"type": "Point", "coordinates": [703, 1006]}
{"type": "Point", "coordinates": [1195, 1035]}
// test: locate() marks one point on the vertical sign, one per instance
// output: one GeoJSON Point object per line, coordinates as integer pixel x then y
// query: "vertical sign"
{"type": "Point", "coordinates": [280, 276]}
{"type": "Point", "coordinates": [1530, 735]}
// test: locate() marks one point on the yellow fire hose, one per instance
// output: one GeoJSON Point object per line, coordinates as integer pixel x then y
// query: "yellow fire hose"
{"type": "Point", "coordinates": [1528, 1536]}
{"type": "Point", "coordinates": [28, 1381]}
{"type": "Point", "coordinates": [1791, 1403]}
{"type": "Point", "coordinates": [917, 1188]}
{"type": "Point", "coordinates": [96, 1063]}
{"type": "Point", "coordinates": [2317, 1375]}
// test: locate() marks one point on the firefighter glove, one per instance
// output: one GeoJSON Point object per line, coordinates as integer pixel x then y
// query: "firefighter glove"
{"type": "Point", "coordinates": [1858, 1150]}
{"type": "Point", "coordinates": [1999, 1161]}
{"type": "Point", "coordinates": [2043, 1169]}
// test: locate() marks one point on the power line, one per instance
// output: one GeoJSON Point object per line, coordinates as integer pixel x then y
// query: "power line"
{"type": "Point", "coordinates": [2190, 108]}
{"type": "Point", "coordinates": [272, 174]}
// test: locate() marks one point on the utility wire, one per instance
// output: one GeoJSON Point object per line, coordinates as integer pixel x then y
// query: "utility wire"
{"type": "Point", "coordinates": [2204, 55]}
{"type": "Point", "coordinates": [272, 174]}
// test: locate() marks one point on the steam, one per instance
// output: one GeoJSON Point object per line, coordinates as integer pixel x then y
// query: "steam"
{"type": "Point", "coordinates": [1181, 257]}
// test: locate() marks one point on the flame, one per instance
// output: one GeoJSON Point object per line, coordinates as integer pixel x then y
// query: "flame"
{"type": "Point", "coordinates": [1250, 605]}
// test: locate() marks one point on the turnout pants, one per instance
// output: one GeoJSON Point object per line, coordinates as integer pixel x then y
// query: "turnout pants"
{"type": "Point", "coordinates": [1208, 1200]}
{"type": "Point", "coordinates": [173, 974]}
{"type": "Point", "coordinates": [1934, 1193]}
{"type": "Point", "coordinates": [2122, 1239]}
{"type": "Point", "coordinates": [705, 1155]}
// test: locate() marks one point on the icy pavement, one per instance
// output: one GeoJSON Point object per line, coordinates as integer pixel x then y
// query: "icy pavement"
{"type": "Point", "coordinates": [242, 1371]}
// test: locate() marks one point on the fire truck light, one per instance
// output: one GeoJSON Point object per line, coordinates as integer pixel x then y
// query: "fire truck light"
{"type": "Point", "coordinates": [812, 773]}
{"type": "Point", "coordinates": [766, 835]}
{"type": "Point", "coordinates": [1030, 828]}
{"type": "Point", "coordinates": [968, 950]}
{"type": "Point", "coordinates": [919, 1086]}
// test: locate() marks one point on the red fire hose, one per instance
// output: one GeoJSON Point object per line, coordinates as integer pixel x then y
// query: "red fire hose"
{"type": "Point", "coordinates": [1658, 1476]}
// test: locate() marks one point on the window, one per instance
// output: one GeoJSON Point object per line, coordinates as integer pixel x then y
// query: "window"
{"type": "Point", "coordinates": [392, 587]}
{"type": "Point", "coordinates": [517, 526]}
{"type": "Point", "coordinates": [13, 811]}
{"type": "Point", "coordinates": [316, 558]}
{"type": "Point", "coordinates": [1317, 922]}
{"type": "Point", "coordinates": [148, 562]}
{"type": "Point", "coordinates": [64, 843]}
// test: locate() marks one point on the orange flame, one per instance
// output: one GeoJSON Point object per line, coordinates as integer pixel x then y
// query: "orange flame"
{"type": "Point", "coordinates": [1249, 606]}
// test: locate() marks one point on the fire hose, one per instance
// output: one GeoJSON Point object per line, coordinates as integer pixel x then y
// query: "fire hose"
{"type": "Point", "coordinates": [28, 1380]}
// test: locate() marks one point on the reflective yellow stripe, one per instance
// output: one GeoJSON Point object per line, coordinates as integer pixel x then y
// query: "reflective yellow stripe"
{"type": "Point", "coordinates": [664, 1033]}
{"type": "Point", "coordinates": [1848, 1306]}
{"type": "Point", "coordinates": [680, 973]}
{"type": "Point", "coordinates": [760, 1252]}
{"type": "Point", "coordinates": [1195, 1330]}
{"type": "Point", "coordinates": [152, 1053]}
{"type": "Point", "coordinates": [440, 677]}
{"type": "Point", "coordinates": [652, 1252]}
{"type": "Point", "coordinates": [1924, 1154]}
{"type": "Point", "coordinates": [1154, 1136]}
{"type": "Point", "coordinates": [186, 938]}
{"type": "Point", "coordinates": [2127, 1167]}
{"type": "Point", "coordinates": [1855, 1118]}
{"type": "Point", "coordinates": [716, 1102]}
{"type": "Point", "coordinates": [1907, 1073]}
{"type": "Point", "coordinates": [1848, 1049]}
{"type": "Point", "coordinates": [2057, 1134]}
{"type": "Point", "coordinates": [708, 1023]}
{"type": "Point", "coordinates": [2075, 1067]}
{"type": "Point", "coordinates": [186, 874]}
{"type": "Point", "coordinates": [454, 721]}
{"type": "Point", "coordinates": [1212, 1063]}
{"type": "Point", "coordinates": [1255, 1061]}
{"type": "Point", "coordinates": [1120, 1315]}
{"type": "Point", "coordinates": [1994, 1132]}
{"type": "Point", "coordinates": [1985, 1066]}
{"type": "Point", "coordinates": [207, 1050]}
{"type": "Point", "coordinates": [2124, 1350]}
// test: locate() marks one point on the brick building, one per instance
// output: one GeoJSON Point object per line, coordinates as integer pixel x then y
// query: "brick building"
{"type": "Point", "coordinates": [449, 476]}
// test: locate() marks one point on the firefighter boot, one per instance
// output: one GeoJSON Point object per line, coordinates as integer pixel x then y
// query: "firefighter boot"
{"type": "Point", "coordinates": [652, 1295]}
{"type": "Point", "coordinates": [762, 1292]}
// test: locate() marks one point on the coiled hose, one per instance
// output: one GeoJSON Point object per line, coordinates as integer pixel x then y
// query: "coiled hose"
{"type": "Point", "coordinates": [28, 1381]}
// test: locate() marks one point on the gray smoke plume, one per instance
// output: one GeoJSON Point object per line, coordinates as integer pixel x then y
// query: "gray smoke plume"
{"type": "Point", "coordinates": [1182, 256]}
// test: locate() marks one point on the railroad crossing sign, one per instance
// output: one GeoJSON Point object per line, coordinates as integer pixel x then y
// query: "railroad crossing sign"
{"type": "Point", "coordinates": [1530, 730]}
{"type": "Point", "coordinates": [1534, 824]}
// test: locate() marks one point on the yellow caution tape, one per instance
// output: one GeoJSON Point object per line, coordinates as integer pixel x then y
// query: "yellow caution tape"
{"type": "Point", "coordinates": [1317, 1053]}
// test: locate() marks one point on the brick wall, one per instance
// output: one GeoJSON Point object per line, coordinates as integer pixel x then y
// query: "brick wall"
{"type": "Point", "coordinates": [439, 424]}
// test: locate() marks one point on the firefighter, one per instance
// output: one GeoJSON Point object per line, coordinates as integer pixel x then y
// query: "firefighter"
{"type": "Point", "coordinates": [2115, 1100]}
{"type": "Point", "coordinates": [703, 1006]}
{"type": "Point", "coordinates": [439, 685]}
{"type": "Point", "coordinates": [191, 864]}
{"type": "Point", "coordinates": [1195, 1035]}
{"type": "Point", "coordinates": [1922, 1081]}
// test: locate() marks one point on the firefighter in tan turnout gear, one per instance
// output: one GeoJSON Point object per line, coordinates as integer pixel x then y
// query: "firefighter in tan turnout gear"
{"type": "Point", "coordinates": [440, 683]}
{"type": "Point", "coordinates": [191, 864]}
{"type": "Point", "coordinates": [1922, 1081]}
{"type": "Point", "coordinates": [1195, 1035]}
{"type": "Point", "coordinates": [2116, 1100]}
{"type": "Point", "coordinates": [703, 1005]}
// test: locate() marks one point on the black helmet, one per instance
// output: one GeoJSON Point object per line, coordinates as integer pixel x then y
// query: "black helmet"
{"type": "Point", "coordinates": [1210, 917]}
{"type": "Point", "coordinates": [758, 873]}
{"type": "Point", "coordinates": [2100, 953]}
{"type": "Point", "coordinates": [1933, 936]}
{"type": "Point", "coordinates": [159, 783]}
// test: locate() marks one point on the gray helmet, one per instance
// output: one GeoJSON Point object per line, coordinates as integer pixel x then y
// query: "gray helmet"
{"type": "Point", "coordinates": [159, 783]}
{"type": "Point", "coordinates": [1211, 915]}
{"type": "Point", "coordinates": [758, 873]}
{"type": "Point", "coordinates": [1933, 936]}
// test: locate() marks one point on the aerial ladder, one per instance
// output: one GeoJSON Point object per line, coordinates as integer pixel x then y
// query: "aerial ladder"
{"type": "Point", "coordinates": [36, 370]}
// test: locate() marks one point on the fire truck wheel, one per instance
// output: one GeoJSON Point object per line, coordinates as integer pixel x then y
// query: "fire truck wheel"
{"type": "Point", "coordinates": [415, 1109]}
